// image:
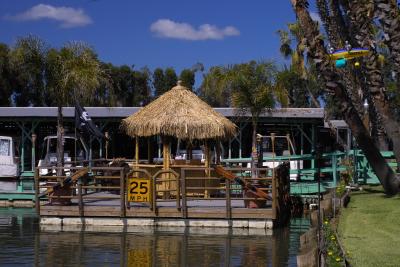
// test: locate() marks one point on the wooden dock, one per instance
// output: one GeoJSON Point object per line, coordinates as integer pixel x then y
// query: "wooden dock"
{"type": "Point", "coordinates": [109, 191]}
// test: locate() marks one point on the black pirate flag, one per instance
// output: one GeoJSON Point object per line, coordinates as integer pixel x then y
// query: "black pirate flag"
{"type": "Point", "coordinates": [85, 124]}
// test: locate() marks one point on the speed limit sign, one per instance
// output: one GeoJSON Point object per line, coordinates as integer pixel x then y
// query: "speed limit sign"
{"type": "Point", "coordinates": [139, 190]}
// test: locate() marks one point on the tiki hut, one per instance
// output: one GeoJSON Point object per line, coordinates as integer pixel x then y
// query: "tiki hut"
{"type": "Point", "coordinates": [179, 113]}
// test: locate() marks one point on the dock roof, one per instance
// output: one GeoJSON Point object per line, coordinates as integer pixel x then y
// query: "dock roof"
{"type": "Point", "coordinates": [123, 112]}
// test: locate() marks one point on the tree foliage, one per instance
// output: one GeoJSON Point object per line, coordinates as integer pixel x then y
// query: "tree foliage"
{"type": "Point", "coordinates": [27, 60]}
{"type": "Point", "coordinates": [34, 74]}
{"type": "Point", "coordinates": [5, 76]}
{"type": "Point", "coordinates": [164, 80]}
{"type": "Point", "coordinates": [170, 78]}
{"type": "Point", "coordinates": [300, 79]}
{"type": "Point", "coordinates": [187, 78]}
{"type": "Point", "coordinates": [250, 87]}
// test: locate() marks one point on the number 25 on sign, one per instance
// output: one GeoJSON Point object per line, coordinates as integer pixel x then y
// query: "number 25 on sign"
{"type": "Point", "coordinates": [139, 190]}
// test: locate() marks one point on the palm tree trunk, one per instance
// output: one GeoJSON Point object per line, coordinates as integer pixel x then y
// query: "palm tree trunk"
{"type": "Point", "coordinates": [388, 14]}
{"type": "Point", "coordinates": [254, 149]}
{"type": "Point", "coordinates": [376, 128]}
{"type": "Point", "coordinates": [335, 32]}
{"type": "Point", "coordinates": [60, 136]}
{"type": "Point", "coordinates": [385, 174]}
{"type": "Point", "coordinates": [360, 17]}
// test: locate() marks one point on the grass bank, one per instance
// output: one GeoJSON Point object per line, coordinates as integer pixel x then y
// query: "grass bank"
{"type": "Point", "coordinates": [369, 228]}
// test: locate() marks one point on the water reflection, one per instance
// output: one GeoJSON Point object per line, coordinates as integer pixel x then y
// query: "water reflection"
{"type": "Point", "coordinates": [23, 242]}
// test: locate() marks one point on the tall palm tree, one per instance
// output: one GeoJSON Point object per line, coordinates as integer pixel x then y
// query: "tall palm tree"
{"type": "Point", "coordinates": [362, 19]}
{"type": "Point", "coordinates": [251, 87]}
{"type": "Point", "coordinates": [74, 72]}
{"type": "Point", "coordinates": [342, 24]}
{"type": "Point", "coordinates": [305, 78]}
{"type": "Point", "coordinates": [254, 89]}
{"type": "Point", "coordinates": [388, 13]}
{"type": "Point", "coordinates": [336, 87]}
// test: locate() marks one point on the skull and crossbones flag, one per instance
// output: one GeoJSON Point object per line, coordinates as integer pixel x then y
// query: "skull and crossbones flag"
{"type": "Point", "coordinates": [85, 124]}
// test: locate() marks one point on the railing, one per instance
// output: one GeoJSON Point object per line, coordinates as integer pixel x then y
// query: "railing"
{"type": "Point", "coordinates": [194, 192]}
{"type": "Point", "coordinates": [82, 189]}
{"type": "Point", "coordinates": [213, 187]}
{"type": "Point", "coordinates": [331, 166]}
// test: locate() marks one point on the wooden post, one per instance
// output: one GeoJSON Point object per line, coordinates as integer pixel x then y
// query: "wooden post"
{"type": "Point", "coordinates": [228, 198]}
{"type": "Point", "coordinates": [218, 152]}
{"type": "Point", "coordinates": [80, 198]}
{"type": "Point", "coordinates": [107, 140]}
{"type": "Point", "coordinates": [37, 199]}
{"type": "Point", "coordinates": [189, 154]}
{"type": "Point", "coordinates": [178, 193]}
{"type": "Point", "coordinates": [184, 204]}
{"type": "Point", "coordinates": [273, 195]}
{"type": "Point", "coordinates": [207, 165]}
{"type": "Point", "coordinates": [137, 150]}
{"type": "Point", "coordinates": [154, 195]}
{"type": "Point", "coordinates": [122, 191]}
{"type": "Point", "coordinates": [166, 153]}
{"type": "Point", "coordinates": [127, 203]}
{"type": "Point", "coordinates": [166, 166]}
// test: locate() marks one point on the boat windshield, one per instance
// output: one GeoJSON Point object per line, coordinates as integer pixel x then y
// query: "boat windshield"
{"type": "Point", "coordinates": [5, 147]}
{"type": "Point", "coordinates": [69, 148]}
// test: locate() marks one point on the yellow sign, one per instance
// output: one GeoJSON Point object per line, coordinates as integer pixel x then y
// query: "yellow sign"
{"type": "Point", "coordinates": [139, 190]}
{"type": "Point", "coordinates": [139, 257]}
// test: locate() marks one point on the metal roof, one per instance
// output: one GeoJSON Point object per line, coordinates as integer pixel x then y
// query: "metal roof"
{"type": "Point", "coordinates": [123, 112]}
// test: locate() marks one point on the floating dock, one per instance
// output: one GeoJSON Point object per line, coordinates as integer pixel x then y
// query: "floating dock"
{"type": "Point", "coordinates": [109, 196]}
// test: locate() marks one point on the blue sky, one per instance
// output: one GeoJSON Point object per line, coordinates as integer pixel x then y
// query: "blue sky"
{"type": "Point", "coordinates": [155, 33]}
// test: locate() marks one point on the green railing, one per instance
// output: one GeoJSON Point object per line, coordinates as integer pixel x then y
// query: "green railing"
{"type": "Point", "coordinates": [333, 164]}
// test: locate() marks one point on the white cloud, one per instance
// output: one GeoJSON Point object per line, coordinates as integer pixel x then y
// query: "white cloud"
{"type": "Point", "coordinates": [68, 16]}
{"type": "Point", "coordinates": [170, 29]}
{"type": "Point", "coordinates": [315, 17]}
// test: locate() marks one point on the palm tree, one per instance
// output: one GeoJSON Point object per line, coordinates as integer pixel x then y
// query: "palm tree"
{"type": "Point", "coordinates": [299, 80]}
{"type": "Point", "coordinates": [253, 89]}
{"type": "Point", "coordinates": [74, 72]}
{"type": "Point", "coordinates": [388, 13]}
{"type": "Point", "coordinates": [362, 18]}
{"type": "Point", "coordinates": [250, 87]}
{"type": "Point", "coordinates": [336, 86]}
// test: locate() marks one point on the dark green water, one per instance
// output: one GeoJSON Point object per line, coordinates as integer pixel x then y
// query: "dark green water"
{"type": "Point", "coordinates": [24, 243]}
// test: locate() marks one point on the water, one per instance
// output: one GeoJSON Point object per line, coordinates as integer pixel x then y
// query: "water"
{"type": "Point", "coordinates": [24, 243]}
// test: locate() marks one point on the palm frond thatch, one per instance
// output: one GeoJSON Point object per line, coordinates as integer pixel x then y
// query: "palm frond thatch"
{"type": "Point", "coordinates": [179, 113]}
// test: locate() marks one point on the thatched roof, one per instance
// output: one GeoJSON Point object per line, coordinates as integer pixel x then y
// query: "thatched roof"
{"type": "Point", "coordinates": [179, 113]}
